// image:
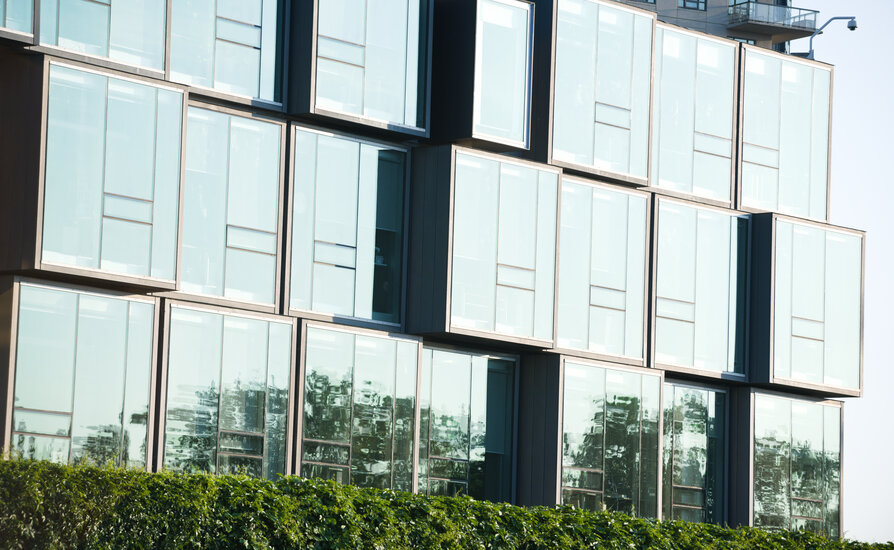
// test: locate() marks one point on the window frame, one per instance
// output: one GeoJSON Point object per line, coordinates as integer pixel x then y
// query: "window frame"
{"type": "Point", "coordinates": [700, 5]}
{"type": "Point", "coordinates": [27, 38]}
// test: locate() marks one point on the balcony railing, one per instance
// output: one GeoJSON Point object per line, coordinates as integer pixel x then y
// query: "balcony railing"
{"type": "Point", "coordinates": [769, 14]}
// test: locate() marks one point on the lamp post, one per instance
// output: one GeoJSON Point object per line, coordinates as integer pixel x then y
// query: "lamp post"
{"type": "Point", "coordinates": [851, 25]}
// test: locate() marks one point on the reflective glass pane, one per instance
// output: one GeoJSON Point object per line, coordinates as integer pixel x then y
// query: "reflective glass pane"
{"type": "Point", "coordinates": [54, 449]}
{"type": "Point", "coordinates": [243, 375]}
{"type": "Point", "coordinates": [276, 417]}
{"type": "Point", "coordinates": [137, 33]}
{"type": "Point", "coordinates": [328, 385]}
{"type": "Point", "coordinates": [373, 412]}
{"type": "Point", "coordinates": [17, 15]}
{"type": "Point", "coordinates": [140, 343]}
{"type": "Point", "coordinates": [772, 456]}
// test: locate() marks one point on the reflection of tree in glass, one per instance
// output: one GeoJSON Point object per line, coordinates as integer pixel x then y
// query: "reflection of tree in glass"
{"type": "Point", "coordinates": [327, 408]}
{"type": "Point", "coordinates": [771, 481]}
{"type": "Point", "coordinates": [242, 406]}
{"type": "Point", "coordinates": [191, 433]}
{"type": "Point", "coordinates": [100, 447]}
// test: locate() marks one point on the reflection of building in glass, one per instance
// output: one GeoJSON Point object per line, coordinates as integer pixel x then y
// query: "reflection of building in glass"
{"type": "Point", "coordinates": [537, 251]}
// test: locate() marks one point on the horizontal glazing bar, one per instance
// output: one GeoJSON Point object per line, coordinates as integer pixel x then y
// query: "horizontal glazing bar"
{"type": "Point", "coordinates": [338, 50]}
{"type": "Point", "coordinates": [128, 209]}
{"type": "Point", "coordinates": [335, 254]}
{"type": "Point", "coordinates": [251, 239]}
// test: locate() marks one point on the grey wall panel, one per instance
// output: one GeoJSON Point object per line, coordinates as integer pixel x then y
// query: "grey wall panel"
{"type": "Point", "coordinates": [760, 336]}
{"type": "Point", "coordinates": [739, 468]}
{"type": "Point", "coordinates": [538, 430]}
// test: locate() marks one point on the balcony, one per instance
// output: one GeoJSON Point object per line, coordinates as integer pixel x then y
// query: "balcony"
{"type": "Point", "coordinates": [781, 23]}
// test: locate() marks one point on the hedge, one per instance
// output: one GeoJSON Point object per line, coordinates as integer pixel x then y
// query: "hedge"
{"type": "Point", "coordinates": [45, 505]}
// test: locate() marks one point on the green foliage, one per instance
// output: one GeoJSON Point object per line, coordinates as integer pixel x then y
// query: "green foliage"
{"type": "Point", "coordinates": [45, 505]}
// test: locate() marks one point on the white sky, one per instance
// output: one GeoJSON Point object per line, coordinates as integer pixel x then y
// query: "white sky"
{"type": "Point", "coordinates": [863, 197]}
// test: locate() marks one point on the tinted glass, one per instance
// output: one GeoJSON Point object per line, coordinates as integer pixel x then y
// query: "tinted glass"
{"type": "Point", "coordinates": [785, 134]}
{"type": "Point", "coordinates": [16, 15]}
{"type": "Point", "coordinates": [503, 247]}
{"type": "Point", "coordinates": [601, 270]}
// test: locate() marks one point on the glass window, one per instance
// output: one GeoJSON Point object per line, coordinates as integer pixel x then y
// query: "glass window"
{"type": "Point", "coordinates": [692, 132]}
{"type": "Point", "coordinates": [347, 227]}
{"type": "Point", "coordinates": [230, 207]}
{"type": "Point", "coordinates": [700, 288]}
{"type": "Point", "coordinates": [228, 393]}
{"type": "Point", "coordinates": [17, 15]}
{"type": "Point", "coordinates": [610, 439]}
{"type": "Point", "coordinates": [503, 51]}
{"type": "Point", "coordinates": [359, 409]}
{"type": "Point", "coordinates": [371, 57]}
{"type": "Point", "coordinates": [112, 181]}
{"type": "Point", "coordinates": [131, 32]}
{"type": "Point", "coordinates": [817, 309]}
{"type": "Point", "coordinates": [797, 450]}
{"type": "Point", "coordinates": [694, 448]}
{"type": "Point", "coordinates": [602, 270]}
{"type": "Point", "coordinates": [602, 87]}
{"type": "Point", "coordinates": [504, 247]}
{"type": "Point", "coordinates": [785, 135]}
{"type": "Point", "coordinates": [465, 430]}
{"type": "Point", "coordinates": [82, 377]}
{"type": "Point", "coordinates": [228, 45]}
{"type": "Point", "coordinates": [692, 4]}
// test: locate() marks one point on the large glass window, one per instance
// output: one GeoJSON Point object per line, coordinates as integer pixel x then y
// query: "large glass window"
{"type": "Point", "coordinates": [371, 57]}
{"type": "Point", "coordinates": [797, 465]}
{"type": "Point", "coordinates": [504, 247]}
{"type": "Point", "coordinates": [817, 308]}
{"type": "Point", "coordinates": [82, 377]}
{"type": "Point", "coordinates": [17, 15]}
{"type": "Point", "coordinates": [129, 31]}
{"type": "Point", "coordinates": [785, 135]}
{"type": "Point", "coordinates": [610, 439]}
{"type": "Point", "coordinates": [359, 408]}
{"type": "Point", "coordinates": [228, 404]}
{"type": "Point", "coordinates": [112, 181]}
{"type": "Point", "coordinates": [700, 288]}
{"type": "Point", "coordinates": [231, 206]}
{"type": "Point", "coordinates": [602, 270]}
{"type": "Point", "coordinates": [602, 87]}
{"type": "Point", "coordinates": [229, 45]}
{"type": "Point", "coordinates": [693, 103]}
{"type": "Point", "coordinates": [347, 227]}
{"type": "Point", "coordinates": [503, 51]}
{"type": "Point", "coordinates": [465, 433]}
{"type": "Point", "coordinates": [694, 454]}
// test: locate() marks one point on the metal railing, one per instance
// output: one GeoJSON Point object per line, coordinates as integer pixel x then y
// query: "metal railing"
{"type": "Point", "coordinates": [756, 12]}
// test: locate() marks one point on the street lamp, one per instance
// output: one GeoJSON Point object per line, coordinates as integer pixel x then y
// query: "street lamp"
{"type": "Point", "coordinates": [851, 25]}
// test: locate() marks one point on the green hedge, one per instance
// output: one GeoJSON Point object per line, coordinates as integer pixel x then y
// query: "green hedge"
{"type": "Point", "coordinates": [45, 505]}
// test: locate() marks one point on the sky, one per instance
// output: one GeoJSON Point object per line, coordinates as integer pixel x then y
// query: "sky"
{"type": "Point", "coordinates": [862, 197]}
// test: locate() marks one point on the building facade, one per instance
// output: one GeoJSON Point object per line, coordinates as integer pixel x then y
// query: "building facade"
{"type": "Point", "coordinates": [543, 252]}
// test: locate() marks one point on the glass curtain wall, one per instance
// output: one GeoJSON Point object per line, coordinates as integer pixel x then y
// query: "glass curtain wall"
{"type": "Point", "coordinates": [817, 309]}
{"type": "Point", "coordinates": [82, 377]}
{"type": "Point", "coordinates": [230, 207]}
{"type": "Point", "coordinates": [17, 15]}
{"type": "Point", "coordinates": [359, 408]}
{"type": "Point", "coordinates": [797, 453]}
{"type": "Point", "coordinates": [611, 439]}
{"type": "Point", "coordinates": [229, 45]}
{"type": "Point", "coordinates": [112, 180]}
{"type": "Point", "coordinates": [504, 247]}
{"type": "Point", "coordinates": [602, 87]}
{"type": "Point", "coordinates": [347, 227]}
{"type": "Point", "coordinates": [228, 380]}
{"type": "Point", "coordinates": [503, 56]}
{"type": "Point", "coordinates": [693, 105]}
{"type": "Point", "coordinates": [694, 454]}
{"type": "Point", "coordinates": [371, 59]}
{"type": "Point", "coordinates": [785, 135]}
{"type": "Point", "coordinates": [700, 288]}
{"type": "Point", "coordinates": [465, 433]}
{"type": "Point", "coordinates": [602, 270]}
{"type": "Point", "coordinates": [128, 31]}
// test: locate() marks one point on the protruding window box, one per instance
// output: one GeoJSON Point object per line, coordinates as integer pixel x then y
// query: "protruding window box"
{"type": "Point", "coordinates": [483, 246]}
{"type": "Point", "coordinates": [699, 289]}
{"type": "Point", "coordinates": [92, 172]}
{"type": "Point", "coordinates": [77, 375]}
{"type": "Point", "coordinates": [597, 85]}
{"type": "Point", "coordinates": [591, 434]}
{"type": "Point", "coordinates": [483, 56]}
{"type": "Point", "coordinates": [784, 120]}
{"type": "Point", "coordinates": [347, 229]}
{"type": "Point", "coordinates": [787, 474]}
{"type": "Point", "coordinates": [358, 62]}
{"type": "Point", "coordinates": [17, 20]}
{"type": "Point", "coordinates": [228, 391]}
{"type": "Point", "coordinates": [807, 305]}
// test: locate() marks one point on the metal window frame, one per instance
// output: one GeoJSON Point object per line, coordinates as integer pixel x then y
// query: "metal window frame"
{"type": "Point", "coordinates": [294, 127]}
{"type": "Point", "coordinates": [596, 356]}
{"type": "Point", "coordinates": [734, 121]}
{"type": "Point", "coordinates": [744, 50]}
{"type": "Point", "coordinates": [163, 363]}
{"type": "Point", "coordinates": [745, 375]}
{"type": "Point", "coordinates": [26, 38]}
{"type": "Point", "coordinates": [10, 292]}
{"type": "Point", "coordinates": [591, 171]}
